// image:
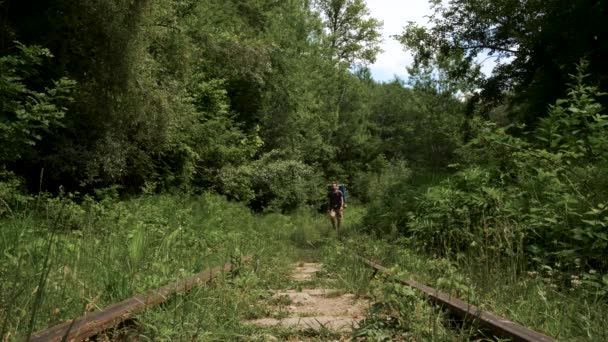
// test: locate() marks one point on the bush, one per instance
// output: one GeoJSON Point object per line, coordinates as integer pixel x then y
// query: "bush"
{"type": "Point", "coordinates": [391, 195]}
{"type": "Point", "coordinates": [28, 113]}
{"type": "Point", "coordinates": [11, 193]}
{"type": "Point", "coordinates": [541, 200]}
{"type": "Point", "coordinates": [274, 184]}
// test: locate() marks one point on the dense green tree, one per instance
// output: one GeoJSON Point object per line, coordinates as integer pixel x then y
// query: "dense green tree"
{"type": "Point", "coordinates": [314, 109]}
{"type": "Point", "coordinates": [290, 116]}
{"type": "Point", "coordinates": [416, 124]}
{"type": "Point", "coordinates": [27, 114]}
{"type": "Point", "coordinates": [111, 130]}
{"type": "Point", "coordinates": [196, 95]}
{"type": "Point", "coordinates": [352, 36]}
{"type": "Point", "coordinates": [420, 120]}
{"type": "Point", "coordinates": [138, 66]}
{"type": "Point", "coordinates": [537, 43]}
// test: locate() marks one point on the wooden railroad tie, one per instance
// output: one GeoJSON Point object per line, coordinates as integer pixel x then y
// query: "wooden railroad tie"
{"type": "Point", "coordinates": [92, 324]}
{"type": "Point", "coordinates": [499, 326]}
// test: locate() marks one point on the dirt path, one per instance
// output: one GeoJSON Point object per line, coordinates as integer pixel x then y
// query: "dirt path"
{"type": "Point", "coordinates": [314, 309]}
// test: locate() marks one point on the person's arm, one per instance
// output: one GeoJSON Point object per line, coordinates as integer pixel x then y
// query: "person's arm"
{"type": "Point", "coordinates": [341, 201]}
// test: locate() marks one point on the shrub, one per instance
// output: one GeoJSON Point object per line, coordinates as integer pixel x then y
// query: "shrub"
{"type": "Point", "coordinates": [274, 184]}
{"type": "Point", "coordinates": [27, 113]}
{"type": "Point", "coordinates": [542, 199]}
{"type": "Point", "coordinates": [11, 193]}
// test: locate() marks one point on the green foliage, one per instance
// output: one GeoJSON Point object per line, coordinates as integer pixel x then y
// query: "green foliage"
{"type": "Point", "coordinates": [12, 194]}
{"type": "Point", "coordinates": [26, 113]}
{"type": "Point", "coordinates": [531, 203]}
{"type": "Point", "coordinates": [172, 94]}
{"type": "Point", "coordinates": [104, 251]}
{"type": "Point", "coordinates": [274, 183]}
{"type": "Point", "coordinates": [527, 38]}
{"type": "Point", "coordinates": [178, 95]}
{"type": "Point", "coordinates": [543, 301]}
{"type": "Point", "coordinates": [420, 125]}
{"type": "Point", "coordinates": [353, 37]}
{"type": "Point", "coordinates": [383, 177]}
{"type": "Point", "coordinates": [205, 139]}
{"type": "Point", "coordinates": [576, 124]}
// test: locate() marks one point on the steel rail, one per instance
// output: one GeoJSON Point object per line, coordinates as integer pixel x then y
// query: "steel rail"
{"type": "Point", "coordinates": [93, 323]}
{"type": "Point", "coordinates": [498, 326]}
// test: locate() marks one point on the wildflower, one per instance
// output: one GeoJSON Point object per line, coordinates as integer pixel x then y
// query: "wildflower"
{"type": "Point", "coordinates": [576, 282]}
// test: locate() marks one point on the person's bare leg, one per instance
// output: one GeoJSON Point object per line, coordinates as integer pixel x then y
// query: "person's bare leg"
{"type": "Point", "coordinates": [339, 219]}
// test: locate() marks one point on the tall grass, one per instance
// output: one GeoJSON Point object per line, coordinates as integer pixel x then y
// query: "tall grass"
{"type": "Point", "coordinates": [541, 301]}
{"type": "Point", "coordinates": [74, 258]}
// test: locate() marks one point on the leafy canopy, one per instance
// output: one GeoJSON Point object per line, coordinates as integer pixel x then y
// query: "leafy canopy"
{"type": "Point", "coordinates": [353, 37]}
{"type": "Point", "coordinates": [536, 43]}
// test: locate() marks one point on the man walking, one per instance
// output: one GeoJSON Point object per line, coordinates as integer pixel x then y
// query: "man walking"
{"type": "Point", "coordinates": [336, 206]}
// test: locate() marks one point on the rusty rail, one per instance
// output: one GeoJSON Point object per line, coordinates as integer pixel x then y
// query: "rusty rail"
{"type": "Point", "coordinates": [92, 324]}
{"type": "Point", "coordinates": [499, 326]}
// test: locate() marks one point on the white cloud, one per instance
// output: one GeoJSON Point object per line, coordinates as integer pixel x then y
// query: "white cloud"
{"type": "Point", "coordinates": [396, 14]}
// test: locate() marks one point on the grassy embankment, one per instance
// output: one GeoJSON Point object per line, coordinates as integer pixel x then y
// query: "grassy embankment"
{"type": "Point", "coordinates": [77, 258]}
{"type": "Point", "coordinates": [65, 260]}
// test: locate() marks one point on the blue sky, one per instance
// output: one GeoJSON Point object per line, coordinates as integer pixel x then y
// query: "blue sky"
{"type": "Point", "coordinates": [396, 14]}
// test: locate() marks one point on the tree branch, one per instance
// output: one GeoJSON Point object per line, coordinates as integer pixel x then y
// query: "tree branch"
{"type": "Point", "coordinates": [489, 47]}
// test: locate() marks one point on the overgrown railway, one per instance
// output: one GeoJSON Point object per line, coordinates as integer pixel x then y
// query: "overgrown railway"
{"type": "Point", "coordinates": [495, 325]}
{"type": "Point", "coordinates": [97, 323]}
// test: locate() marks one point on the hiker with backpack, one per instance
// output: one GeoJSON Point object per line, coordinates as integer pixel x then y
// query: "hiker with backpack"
{"type": "Point", "coordinates": [336, 205]}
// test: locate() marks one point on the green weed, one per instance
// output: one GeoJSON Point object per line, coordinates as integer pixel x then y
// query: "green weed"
{"type": "Point", "coordinates": [534, 299]}
{"type": "Point", "coordinates": [117, 249]}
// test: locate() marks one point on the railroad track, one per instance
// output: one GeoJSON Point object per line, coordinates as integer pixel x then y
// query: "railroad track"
{"type": "Point", "coordinates": [95, 323]}
{"type": "Point", "coordinates": [496, 325]}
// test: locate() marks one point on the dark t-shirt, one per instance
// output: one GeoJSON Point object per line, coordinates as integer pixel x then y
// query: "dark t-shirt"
{"type": "Point", "coordinates": [335, 199]}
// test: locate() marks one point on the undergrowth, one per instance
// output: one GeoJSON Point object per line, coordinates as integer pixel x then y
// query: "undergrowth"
{"type": "Point", "coordinates": [540, 301]}
{"type": "Point", "coordinates": [71, 258]}
{"type": "Point", "coordinates": [81, 257]}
